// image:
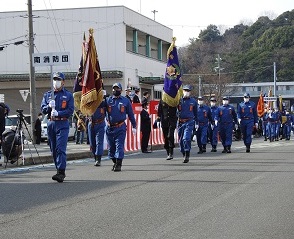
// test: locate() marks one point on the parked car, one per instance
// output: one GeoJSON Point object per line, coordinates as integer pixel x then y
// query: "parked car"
{"type": "Point", "coordinates": [44, 135]}
{"type": "Point", "coordinates": [12, 121]}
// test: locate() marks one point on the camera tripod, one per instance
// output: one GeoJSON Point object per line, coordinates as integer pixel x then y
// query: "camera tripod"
{"type": "Point", "coordinates": [19, 141]}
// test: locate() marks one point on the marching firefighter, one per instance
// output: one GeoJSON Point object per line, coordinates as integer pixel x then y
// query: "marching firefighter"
{"type": "Point", "coordinates": [212, 129]}
{"type": "Point", "coordinates": [168, 117]}
{"type": "Point", "coordinates": [118, 108]}
{"type": "Point", "coordinates": [187, 112]}
{"type": "Point", "coordinates": [96, 130]}
{"type": "Point", "coordinates": [247, 118]}
{"type": "Point", "coordinates": [203, 117]}
{"type": "Point", "coordinates": [226, 118]}
{"type": "Point", "coordinates": [59, 108]}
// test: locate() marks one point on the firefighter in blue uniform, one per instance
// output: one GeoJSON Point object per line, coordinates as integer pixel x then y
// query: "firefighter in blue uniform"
{"type": "Point", "coordinates": [278, 123]}
{"type": "Point", "coordinates": [265, 126]}
{"type": "Point", "coordinates": [287, 126]}
{"type": "Point", "coordinates": [247, 118]}
{"type": "Point", "coordinates": [118, 108]}
{"type": "Point", "coordinates": [58, 109]}
{"type": "Point", "coordinates": [96, 131]}
{"type": "Point", "coordinates": [203, 117]}
{"type": "Point", "coordinates": [226, 118]}
{"type": "Point", "coordinates": [212, 129]}
{"type": "Point", "coordinates": [187, 113]}
{"type": "Point", "coordinates": [272, 121]}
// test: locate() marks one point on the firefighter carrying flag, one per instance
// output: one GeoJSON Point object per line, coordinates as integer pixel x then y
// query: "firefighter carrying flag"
{"type": "Point", "coordinates": [78, 81]}
{"type": "Point", "coordinates": [172, 91]}
{"type": "Point", "coordinates": [260, 106]}
{"type": "Point", "coordinates": [91, 80]}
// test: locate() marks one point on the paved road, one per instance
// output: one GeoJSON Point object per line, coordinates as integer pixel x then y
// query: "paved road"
{"type": "Point", "coordinates": [238, 195]}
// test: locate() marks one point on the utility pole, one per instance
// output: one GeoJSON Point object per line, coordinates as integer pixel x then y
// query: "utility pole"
{"type": "Point", "coordinates": [32, 71]}
{"type": "Point", "coordinates": [154, 11]}
{"type": "Point", "coordinates": [218, 69]}
{"type": "Point", "coordinates": [199, 86]}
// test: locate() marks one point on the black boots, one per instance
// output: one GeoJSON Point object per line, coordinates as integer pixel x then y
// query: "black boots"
{"type": "Point", "coordinates": [116, 165]}
{"type": "Point", "coordinates": [247, 148]}
{"type": "Point", "coordinates": [227, 149]}
{"type": "Point", "coordinates": [59, 176]}
{"type": "Point", "coordinates": [213, 148]}
{"type": "Point", "coordinates": [204, 148]}
{"type": "Point", "coordinates": [187, 156]}
{"type": "Point", "coordinates": [200, 150]}
{"type": "Point", "coordinates": [170, 154]}
{"type": "Point", "coordinates": [97, 160]}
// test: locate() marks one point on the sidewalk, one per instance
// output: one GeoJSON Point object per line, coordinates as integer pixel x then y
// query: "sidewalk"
{"type": "Point", "coordinates": [38, 154]}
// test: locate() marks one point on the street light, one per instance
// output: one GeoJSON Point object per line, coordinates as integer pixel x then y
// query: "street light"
{"type": "Point", "coordinates": [154, 11]}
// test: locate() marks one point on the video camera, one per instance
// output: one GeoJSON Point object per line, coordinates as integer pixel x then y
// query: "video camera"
{"type": "Point", "coordinates": [19, 113]}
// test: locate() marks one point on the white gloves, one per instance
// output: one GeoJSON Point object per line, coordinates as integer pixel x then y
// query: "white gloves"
{"type": "Point", "coordinates": [158, 124]}
{"type": "Point", "coordinates": [236, 126]}
{"type": "Point", "coordinates": [52, 103]}
{"type": "Point", "coordinates": [215, 123]}
{"type": "Point", "coordinates": [256, 125]}
{"type": "Point", "coordinates": [134, 131]}
{"type": "Point", "coordinates": [196, 127]}
{"type": "Point", "coordinates": [54, 113]}
{"type": "Point", "coordinates": [212, 126]}
{"type": "Point", "coordinates": [239, 121]}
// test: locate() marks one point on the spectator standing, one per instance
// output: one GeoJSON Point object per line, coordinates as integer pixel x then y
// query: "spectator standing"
{"type": "Point", "coordinates": [38, 128]}
{"type": "Point", "coordinates": [136, 98]}
{"type": "Point", "coordinates": [145, 127]}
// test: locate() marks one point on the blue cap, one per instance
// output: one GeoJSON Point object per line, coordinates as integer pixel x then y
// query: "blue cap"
{"type": "Point", "coordinates": [246, 95]}
{"type": "Point", "coordinates": [58, 75]}
{"type": "Point", "coordinates": [187, 87]}
{"type": "Point", "coordinates": [117, 85]}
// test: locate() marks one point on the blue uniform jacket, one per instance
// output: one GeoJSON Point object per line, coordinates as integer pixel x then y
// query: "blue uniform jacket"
{"type": "Point", "coordinates": [247, 111]}
{"type": "Point", "coordinates": [100, 112]}
{"type": "Point", "coordinates": [187, 109]}
{"type": "Point", "coordinates": [226, 114]}
{"type": "Point", "coordinates": [203, 115]}
{"type": "Point", "coordinates": [117, 110]}
{"type": "Point", "coordinates": [64, 103]}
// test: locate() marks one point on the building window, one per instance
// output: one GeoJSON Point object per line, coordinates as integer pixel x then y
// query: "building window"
{"type": "Point", "coordinates": [243, 89]}
{"type": "Point", "coordinates": [259, 88]}
{"type": "Point", "coordinates": [287, 87]}
{"type": "Point", "coordinates": [157, 94]}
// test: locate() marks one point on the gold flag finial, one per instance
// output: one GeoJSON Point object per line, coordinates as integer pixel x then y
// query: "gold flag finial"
{"type": "Point", "coordinates": [91, 30]}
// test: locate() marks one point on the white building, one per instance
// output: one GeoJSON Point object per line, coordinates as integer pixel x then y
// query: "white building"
{"type": "Point", "coordinates": [131, 47]}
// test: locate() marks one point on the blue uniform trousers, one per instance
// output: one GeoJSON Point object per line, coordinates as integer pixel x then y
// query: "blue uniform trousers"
{"type": "Point", "coordinates": [246, 129]}
{"type": "Point", "coordinates": [185, 134]}
{"type": "Point", "coordinates": [201, 135]}
{"type": "Point", "coordinates": [287, 131]}
{"type": "Point", "coordinates": [213, 135]}
{"type": "Point", "coordinates": [58, 137]}
{"type": "Point", "coordinates": [272, 130]}
{"type": "Point", "coordinates": [96, 137]}
{"type": "Point", "coordinates": [116, 141]}
{"type": "Point", "coordinates": [226, 133]}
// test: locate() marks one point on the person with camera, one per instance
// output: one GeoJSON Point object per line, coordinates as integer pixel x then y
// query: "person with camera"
{"type": "Point", "coordinates": [59, 106]}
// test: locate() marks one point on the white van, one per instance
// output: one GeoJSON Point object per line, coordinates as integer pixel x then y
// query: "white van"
{"type": "Point", "coordinates": [71, 134]}
{"type": "Point", "coordinates": [11, 122]}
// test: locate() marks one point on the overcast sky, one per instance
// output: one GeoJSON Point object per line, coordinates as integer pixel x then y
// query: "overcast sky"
{"type": "Point", "coordinates": [186, 17]}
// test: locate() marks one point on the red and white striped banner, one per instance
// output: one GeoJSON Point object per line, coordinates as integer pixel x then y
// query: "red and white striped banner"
{"type": "Point", "coordinates": [133, 142]}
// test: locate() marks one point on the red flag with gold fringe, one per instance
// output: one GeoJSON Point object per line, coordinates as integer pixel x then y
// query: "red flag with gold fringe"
{"type": "Point", "coordinates": [260, 106]}
{"type": "Point", "coordinates": [92, 94]}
